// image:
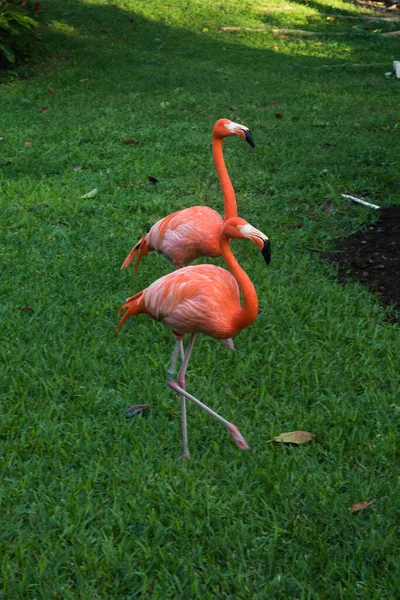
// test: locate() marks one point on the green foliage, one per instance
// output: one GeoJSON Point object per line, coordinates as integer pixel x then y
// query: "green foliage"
{"type": "Point", "coordinates": [15, 21]}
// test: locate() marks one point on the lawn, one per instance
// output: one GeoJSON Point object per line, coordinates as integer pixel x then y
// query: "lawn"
{"type": "Point", "coordinates": [98, 507]}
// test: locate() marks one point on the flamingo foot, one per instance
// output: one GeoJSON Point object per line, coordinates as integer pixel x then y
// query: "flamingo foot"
{"type": "Point", "coordinates": [238, 438]}
{"type": "Point", "coordinates": [228, 343]}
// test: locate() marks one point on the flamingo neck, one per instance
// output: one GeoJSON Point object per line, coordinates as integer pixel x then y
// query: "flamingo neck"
{"type": "Point", "coordinates": [230, 208]}
{"type": "Point", "coordinates": [248, 312]}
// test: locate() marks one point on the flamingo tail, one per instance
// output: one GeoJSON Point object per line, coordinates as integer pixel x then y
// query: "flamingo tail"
{"type": "Point", "coordinates": [135, 306]}
{"type": "Point", "coordinates": [140, 249]}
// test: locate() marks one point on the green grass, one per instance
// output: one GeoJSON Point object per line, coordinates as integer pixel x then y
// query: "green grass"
{"type": "Point", "coordinates": [97, 507]}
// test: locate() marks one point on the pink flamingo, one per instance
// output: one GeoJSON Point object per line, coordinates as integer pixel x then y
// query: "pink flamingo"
{"type": "Point", "coordinates": [193, 232]}
{"type": "Point", "coordinates": [203, 299]}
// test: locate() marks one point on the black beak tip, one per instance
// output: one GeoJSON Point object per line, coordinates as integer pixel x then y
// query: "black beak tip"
{"type": "Point", "coordinates": [266, 251]}
{"type": "Point", "coordinates": [249, 138]}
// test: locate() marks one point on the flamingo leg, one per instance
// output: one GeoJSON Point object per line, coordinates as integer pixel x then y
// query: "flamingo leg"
{"type": "Point", "coordinates": [179, 350]}
{"type": "Point", "coordinates": [179, 387]}
{"type": "Point", "coordinates": [185, 454]}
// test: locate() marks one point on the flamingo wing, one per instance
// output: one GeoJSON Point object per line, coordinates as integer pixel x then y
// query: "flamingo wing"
{"type": "Point", "coordinates": [195, 299]}
{"type": "Point", "coordinates": [187, 234]}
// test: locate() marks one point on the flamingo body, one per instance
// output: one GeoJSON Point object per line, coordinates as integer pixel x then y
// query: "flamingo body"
{"type": "Point", "coordinates": [182, 237]}
{"type": "Point", "coordinates": [196, 299]}
{"type": "Point", "coordinates": [193, 232]}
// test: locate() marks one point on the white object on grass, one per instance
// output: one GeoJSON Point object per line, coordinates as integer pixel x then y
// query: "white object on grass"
{"type": "Point", "coordinates": [90, 194]}
{"type": "Point", "coordinates": [396, 66]}
{"type": "Point", "coordinates": [360, 201]}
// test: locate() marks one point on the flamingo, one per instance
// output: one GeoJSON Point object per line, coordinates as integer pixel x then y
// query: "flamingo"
{"type": "Point", "coordinates": [203, 299]}
{"type": "Point", "coordinates": [192, 232]}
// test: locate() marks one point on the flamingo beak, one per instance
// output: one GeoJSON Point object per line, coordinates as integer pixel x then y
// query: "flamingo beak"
{"type": "Point", "coordinates": [266, 251]}
{"type": "Point", "coordinates": [249, 138]}
{"type": "Point", "coordinates": [259, 239]}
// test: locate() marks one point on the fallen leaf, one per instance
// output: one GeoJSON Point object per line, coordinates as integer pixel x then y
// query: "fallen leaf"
{"type": "Point", "coordinates": [283, 37]}
{"type": "Point", "coordinates": [28, 144]}
{"type": "Point", "coordinates": [134, 410]}
{"type": "Point", "coordinates": [328, 207]}
{"type": "Point", "coordinates": [90, 194]}
{"type": "Point", "coordinates": [319, 44]}
{"type": "Point", "coordinates": [361, 505]}
{"type": "Point", "coordinates": [43, 109]}
{"type": "Point", "coordinates": [278, 115]}
{"type": "Point", "coordinates": [83, 80]}
{"type": "Point", "coordinates": [27, 309]}
{"type": "Point", "coordinates": [205, 29]}
{"type": "Point", "coordinates": [1, 139]}
{"type": "Point", "coordinates": [78, 167]}
{"type": "Point", "coordinates": [275, 47]}
{"type": "Point", "coordinates": [130, 141]}
{"type": "Point", "coordinates": [51, 90]}
{"type": "Point", "coordinates": [153, 180]}
{"type": "Point", "coordinates": [330, 19]}
{"type": "Point", "coordinates": [273, 103]}
{"type": "Point", "coordinates": [294, 437]}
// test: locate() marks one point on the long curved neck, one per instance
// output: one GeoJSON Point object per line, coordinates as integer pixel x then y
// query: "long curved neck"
{"type": "Point", "coordinates": [230, 207]}
{"type": "Point", "coordinates": [248, 312]}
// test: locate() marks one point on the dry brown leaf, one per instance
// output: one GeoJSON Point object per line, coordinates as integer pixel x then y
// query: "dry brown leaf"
{"type": "Point", "coordinates": [275, 47]}
{"type": "Point", "coordinates": [51, 90]}
{"type": "Point", "coordinates": [28, 144]}
{"type": "Point", "coordinates": [27, 309]}
{"type": "Point", "coordinates": [83, 80]}
{"type": "Point", "coordinates": [133, 410]}
{"type": "Point", "coordinates": [43, 109]}
{"type": "Point", "coordinates": [130, 141]}
{"type": "Point", "coordinates": [361, 505]}
{"type": "Point", "coordinates": [294, 437]}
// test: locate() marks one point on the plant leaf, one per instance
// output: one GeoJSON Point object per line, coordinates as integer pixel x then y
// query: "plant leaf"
{"type": "Point", "coordinates": [362, 505]}
{"type": "Point", "coordinates": [130, 141]}
{"type": "Point", "coordinates": [135, 409]}
{"type": "Point", "coordinates": [90, 194]}
{"type": "Point", "coordinates": [294, 437]}
{"type": "Point", "coordinates": [27, 309]}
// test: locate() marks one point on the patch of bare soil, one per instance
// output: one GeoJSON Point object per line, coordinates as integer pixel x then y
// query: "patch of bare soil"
{"type": "Point", "coordinates": [372, 257]}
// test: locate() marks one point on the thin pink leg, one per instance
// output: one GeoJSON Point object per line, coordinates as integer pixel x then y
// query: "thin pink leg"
{"type": "Point", "coordinates": [179, 387]}
{"type": "Point", "coordinates": [185, 453]}
{"type": "Point", "coordinates": [179, 350]}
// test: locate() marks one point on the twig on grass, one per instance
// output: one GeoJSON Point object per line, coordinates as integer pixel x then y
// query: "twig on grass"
{"type": "Point", "coordinates": [360, 201]}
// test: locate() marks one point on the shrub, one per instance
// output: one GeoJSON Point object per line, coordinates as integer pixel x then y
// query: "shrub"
{"type": "Point", "coordinates": [16, 23]}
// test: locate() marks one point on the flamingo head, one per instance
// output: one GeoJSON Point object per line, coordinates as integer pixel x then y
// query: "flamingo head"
{"type": "Point", "coordinates": [240, 229]}
{"type": "Point", "coordinates": [224, 128]}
